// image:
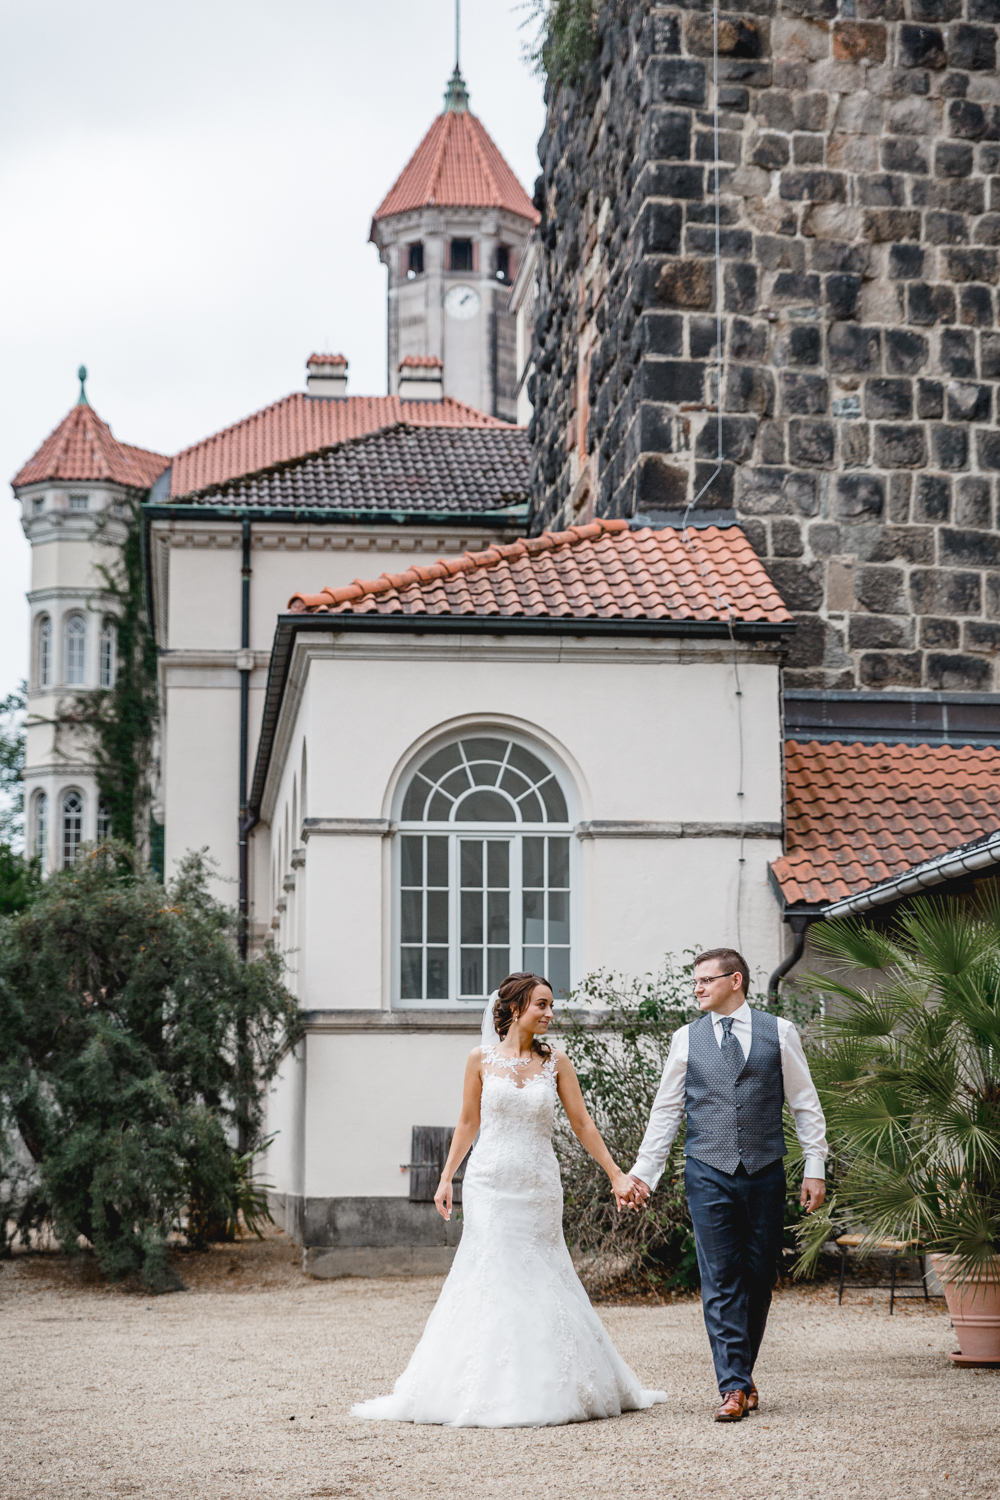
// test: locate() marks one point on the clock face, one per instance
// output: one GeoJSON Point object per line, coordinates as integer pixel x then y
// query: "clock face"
{"type": "Point", "coordinates": [462, 302]}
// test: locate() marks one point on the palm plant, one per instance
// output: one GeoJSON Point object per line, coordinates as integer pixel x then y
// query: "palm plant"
{"type": "Point", "coordinates": [909, 1076]}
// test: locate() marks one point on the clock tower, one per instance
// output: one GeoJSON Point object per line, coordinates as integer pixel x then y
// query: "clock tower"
{"type": "Point", "coordinates": [450, 232]}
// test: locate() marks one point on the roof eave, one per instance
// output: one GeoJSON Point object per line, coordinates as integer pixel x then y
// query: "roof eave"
{"type": "Point", "coordinates": [289, 626]}
{"type": "Point", "coordinates": [967, 859]}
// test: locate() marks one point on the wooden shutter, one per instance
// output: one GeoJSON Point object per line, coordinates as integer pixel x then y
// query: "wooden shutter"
{"type": "Point", "coordinates": [429, 1147]}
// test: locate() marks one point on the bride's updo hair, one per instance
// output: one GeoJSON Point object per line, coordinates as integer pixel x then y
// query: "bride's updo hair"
{"type": "Point", "coordinates": [512, 999]}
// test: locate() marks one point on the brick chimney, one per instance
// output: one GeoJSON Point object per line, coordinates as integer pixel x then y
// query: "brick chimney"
{"type": "Point", "coordinates": [326, 375]}
{"type": "Point", "coordinates": [421, 378]}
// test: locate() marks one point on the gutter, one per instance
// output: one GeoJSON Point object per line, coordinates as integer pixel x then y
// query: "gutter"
{"type": "Point", "coordinates": [504, 516]}
{"type": "Point", "coordinates": [978, 854]}
{"type": "Point", "coordinates": [289, 626]}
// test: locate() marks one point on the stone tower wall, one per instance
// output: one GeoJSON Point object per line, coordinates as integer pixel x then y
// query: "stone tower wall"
{"type": "Point", "coordinates": [860, 210]}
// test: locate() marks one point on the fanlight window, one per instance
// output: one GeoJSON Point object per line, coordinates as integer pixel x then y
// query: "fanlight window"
{"type": "Point", "coordinates": [486, 889]}
{"type": "Point", "coordinates": [72, 827]}
{"type": "Point", "coordinates": [76, 650]}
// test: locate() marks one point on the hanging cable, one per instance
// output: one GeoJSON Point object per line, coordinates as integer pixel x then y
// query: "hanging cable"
{"type": "Point", "coordinates": [725, 606]}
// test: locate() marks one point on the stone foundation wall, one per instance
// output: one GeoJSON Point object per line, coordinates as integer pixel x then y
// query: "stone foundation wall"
{"type": "Point", "coordinates": [860, 212]}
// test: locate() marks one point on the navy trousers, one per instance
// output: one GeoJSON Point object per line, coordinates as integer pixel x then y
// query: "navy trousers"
{"type": "Point", "coordinates": [738, 1224]}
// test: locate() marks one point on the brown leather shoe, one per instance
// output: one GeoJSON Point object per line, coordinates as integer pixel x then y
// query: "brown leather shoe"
{"type": "Point", "coordinates": [733, 1408]}
{"type": "Point", "coordinates": [753, 1398]}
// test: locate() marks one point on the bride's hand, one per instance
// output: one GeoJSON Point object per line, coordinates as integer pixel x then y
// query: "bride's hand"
{"type": "Point", "coordinates": [442, 1198]}
{"type": "Point", "coordinates": [622, 1187]}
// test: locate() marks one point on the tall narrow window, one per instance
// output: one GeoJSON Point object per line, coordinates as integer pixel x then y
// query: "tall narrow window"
{"type": "Point", "coordinates": [76, 650]}
{"type": "Point", "coordinates": [483, 872]}
{"type": "Point", "coordinates": [41, 839]}
{"type": "Point", "coordinates": [103, 819]}
{"type": "Point", "coordinates": [72, 827]}
{"type": "Point", "coordinates": [461, 255]}
{"type": "Point", "coordinates": [416, 261]}
{"type": "Point", "coordinates": [109, 642]}
{"type": "Point", "coordinates": [503, 263]}
{"type": "Point", "coordinates": [45, 651]}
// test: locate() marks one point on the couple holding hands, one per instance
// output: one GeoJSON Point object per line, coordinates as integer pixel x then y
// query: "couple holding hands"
{"type": "Point", "coordinates": [513, 1340]}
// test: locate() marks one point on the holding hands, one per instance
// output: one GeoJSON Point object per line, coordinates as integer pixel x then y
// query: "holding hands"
{"type": "Point", "coordinates": [630, 1192]}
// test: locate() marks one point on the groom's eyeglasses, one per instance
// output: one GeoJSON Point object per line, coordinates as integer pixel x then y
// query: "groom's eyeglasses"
{"type": "Point", "coordinates": [700, 984]}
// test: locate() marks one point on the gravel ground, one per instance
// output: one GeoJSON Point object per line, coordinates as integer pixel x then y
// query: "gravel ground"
{"type": "Point", "coordinates": [241, 1385]}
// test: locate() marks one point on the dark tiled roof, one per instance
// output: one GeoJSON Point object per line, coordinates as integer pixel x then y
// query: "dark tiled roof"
{"type": "Point", "coordinates": [598, 571]}
{"type": "Point", "coordinates": [435, 469]}
{"type": "Point", "coordinates": [860, 814]}
{"type": "Point", "coordinates": [301, 424]}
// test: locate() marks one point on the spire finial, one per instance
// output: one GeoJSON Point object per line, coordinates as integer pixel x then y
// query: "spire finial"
{"type": "Point", "coordinates": [81, 375]}
{"type": "Point", "coordinates": [456, 95]}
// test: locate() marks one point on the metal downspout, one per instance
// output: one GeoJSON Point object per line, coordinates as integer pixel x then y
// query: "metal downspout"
{"type": "Point", "coordinates": [800, 924]}
{"type": "Point", "coordinates": [243, 1065]}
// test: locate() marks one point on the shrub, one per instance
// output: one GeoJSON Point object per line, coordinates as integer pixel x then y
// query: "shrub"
{"type": "Point", "coordinates": [129, 1032]}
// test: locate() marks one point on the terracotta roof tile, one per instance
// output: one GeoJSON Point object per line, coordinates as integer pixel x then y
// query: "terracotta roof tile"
{"type": "Point", "coordinates": [457, 165]}
{"type": "Point", "coordinates": [413, 469]}
{"type": "Point", "coordinates": [302, 424]}
{"type": "Point", "coordinates": [599, 571]}
{"type": "Point", "coordinates": [859, 814]}
{"type": "Point", "coordinates": [420, 362]}
{"type": "Point", "coordinates": [326, 359]}
{"type": "Point", "coordinates": [82, 448]}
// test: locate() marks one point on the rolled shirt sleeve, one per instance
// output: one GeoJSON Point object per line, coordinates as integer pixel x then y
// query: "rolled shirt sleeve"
{"type": "Point", "coordinates": [666, 1115]}
{"type": "Point", "coordinates": [803, 1101]}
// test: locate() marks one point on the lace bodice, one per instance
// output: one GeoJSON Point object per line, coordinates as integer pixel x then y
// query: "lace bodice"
{"type": "Point", "coordinates": [519, 1099]}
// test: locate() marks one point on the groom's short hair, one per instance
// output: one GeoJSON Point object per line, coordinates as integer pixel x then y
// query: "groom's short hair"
{"type": "Point", "coordinates": [732, 960]}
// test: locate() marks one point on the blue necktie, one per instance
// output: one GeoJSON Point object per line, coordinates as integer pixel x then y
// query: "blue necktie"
{"type": "Point", "coordinates": [731, 1050]}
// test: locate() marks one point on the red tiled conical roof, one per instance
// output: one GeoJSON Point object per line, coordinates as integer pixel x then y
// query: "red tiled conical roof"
{"type": "Point", "coordinates": [859, 814]}
{"type": "Point", "coordinates": [599, 571]}
{"type": "Point", "coordinates": [457, 165]}
{"type": "Point", "coordinates": [82, 448]}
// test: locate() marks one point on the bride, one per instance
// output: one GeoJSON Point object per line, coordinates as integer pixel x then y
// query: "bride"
{"type": "Point", "coordinates": [513, 1340]}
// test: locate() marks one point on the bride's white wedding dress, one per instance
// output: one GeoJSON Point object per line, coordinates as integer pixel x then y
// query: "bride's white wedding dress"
{"type": "Point", "coordinates": [513, 1340]}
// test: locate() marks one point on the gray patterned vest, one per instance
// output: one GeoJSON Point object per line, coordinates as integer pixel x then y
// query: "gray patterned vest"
{"type": "Point", "coordinates": [731, 1121]}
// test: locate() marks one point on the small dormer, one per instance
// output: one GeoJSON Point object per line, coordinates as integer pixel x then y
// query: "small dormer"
{"type": "Point", "coordinates": [326, 375]}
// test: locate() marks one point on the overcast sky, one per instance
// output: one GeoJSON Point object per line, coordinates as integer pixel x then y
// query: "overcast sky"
{"type": "Point", "coordinates": [186, 193]}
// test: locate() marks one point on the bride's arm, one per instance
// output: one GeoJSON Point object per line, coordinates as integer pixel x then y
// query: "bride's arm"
{"type": "Point", "coordinates": [586, 1131]}
{"type": "Point", "coordinates": [465, 1130]}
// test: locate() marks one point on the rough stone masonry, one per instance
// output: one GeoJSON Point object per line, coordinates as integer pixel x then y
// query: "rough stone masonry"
{"type": "Point", "coordinates": [860, 213]}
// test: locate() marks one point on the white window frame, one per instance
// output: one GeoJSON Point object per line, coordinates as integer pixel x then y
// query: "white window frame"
{"type": "Point", "coordinates": [513, 833]}
{"type": "Point", "coordinates": [40, 829]}
{"type": "Point", "coordinates": [109, 654]}
{"type": "Point", "coordinates": [44, 650]}
{"type": "Point", "coordinates": [67, 793]}
{"type": "Point", "coordinates": [71, 621]}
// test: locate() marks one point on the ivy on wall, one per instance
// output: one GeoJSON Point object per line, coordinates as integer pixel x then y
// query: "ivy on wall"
{"type": "Point", "coordinates": [121, 719]}
{"type": "Point", "coordinates": [565, 38]}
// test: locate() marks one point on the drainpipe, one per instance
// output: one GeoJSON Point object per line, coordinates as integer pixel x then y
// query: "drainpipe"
{"type": "Point", "coordinates": [800, 923]}
{"type": "Point", "coordinates": [244, 1081]}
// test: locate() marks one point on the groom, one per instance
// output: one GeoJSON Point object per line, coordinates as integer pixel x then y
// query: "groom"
{"type": "Point", "coordinates": [729, 1072]}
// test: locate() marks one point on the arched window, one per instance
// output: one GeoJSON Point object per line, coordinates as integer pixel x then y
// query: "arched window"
{"type": "Point", "coordinates": [76, 650]}
{"type": "Point", "coordinates": [483, 872]}
{"type": "Point", "coordinates": [72, 827]}
{"type": "Point", "coordinates": [45, 651]}
{"type": "Point", "coordinates": [109, 644]}
{"type": "Point", "coordinates": [40, 840]}
{"type": "Point", "coordinates": [103, 819]}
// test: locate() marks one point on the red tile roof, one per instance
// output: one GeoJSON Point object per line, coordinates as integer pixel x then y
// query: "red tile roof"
{"type": "Point", "coordinates": [326, 359]}
{"type": "Point", "coordinates": [301, 424]}
{"type": "Point", "coordinates": [859, 814]}
{"type": "Point", "coordinates": [82, 448]}
{"type": "Point", "coordinates": [457, 165]}
{"type": "Point", "coordinates": [420, 362]}
{"type": "Point", "coordinates": [599, 571]}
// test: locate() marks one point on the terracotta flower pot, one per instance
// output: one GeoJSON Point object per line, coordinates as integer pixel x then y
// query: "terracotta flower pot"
{"type": "Point", "coordinates": [974, 1308]}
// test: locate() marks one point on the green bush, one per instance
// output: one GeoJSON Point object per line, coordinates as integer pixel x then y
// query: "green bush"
{"type": "Point", "coordinates": [133, 1043]}
{"type": "Point", "coordinates": [618, 1045]}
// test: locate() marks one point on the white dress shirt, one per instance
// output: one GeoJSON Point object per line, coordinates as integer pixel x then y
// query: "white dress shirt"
{"type": "Point", "coordinates": [668, 1106]}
